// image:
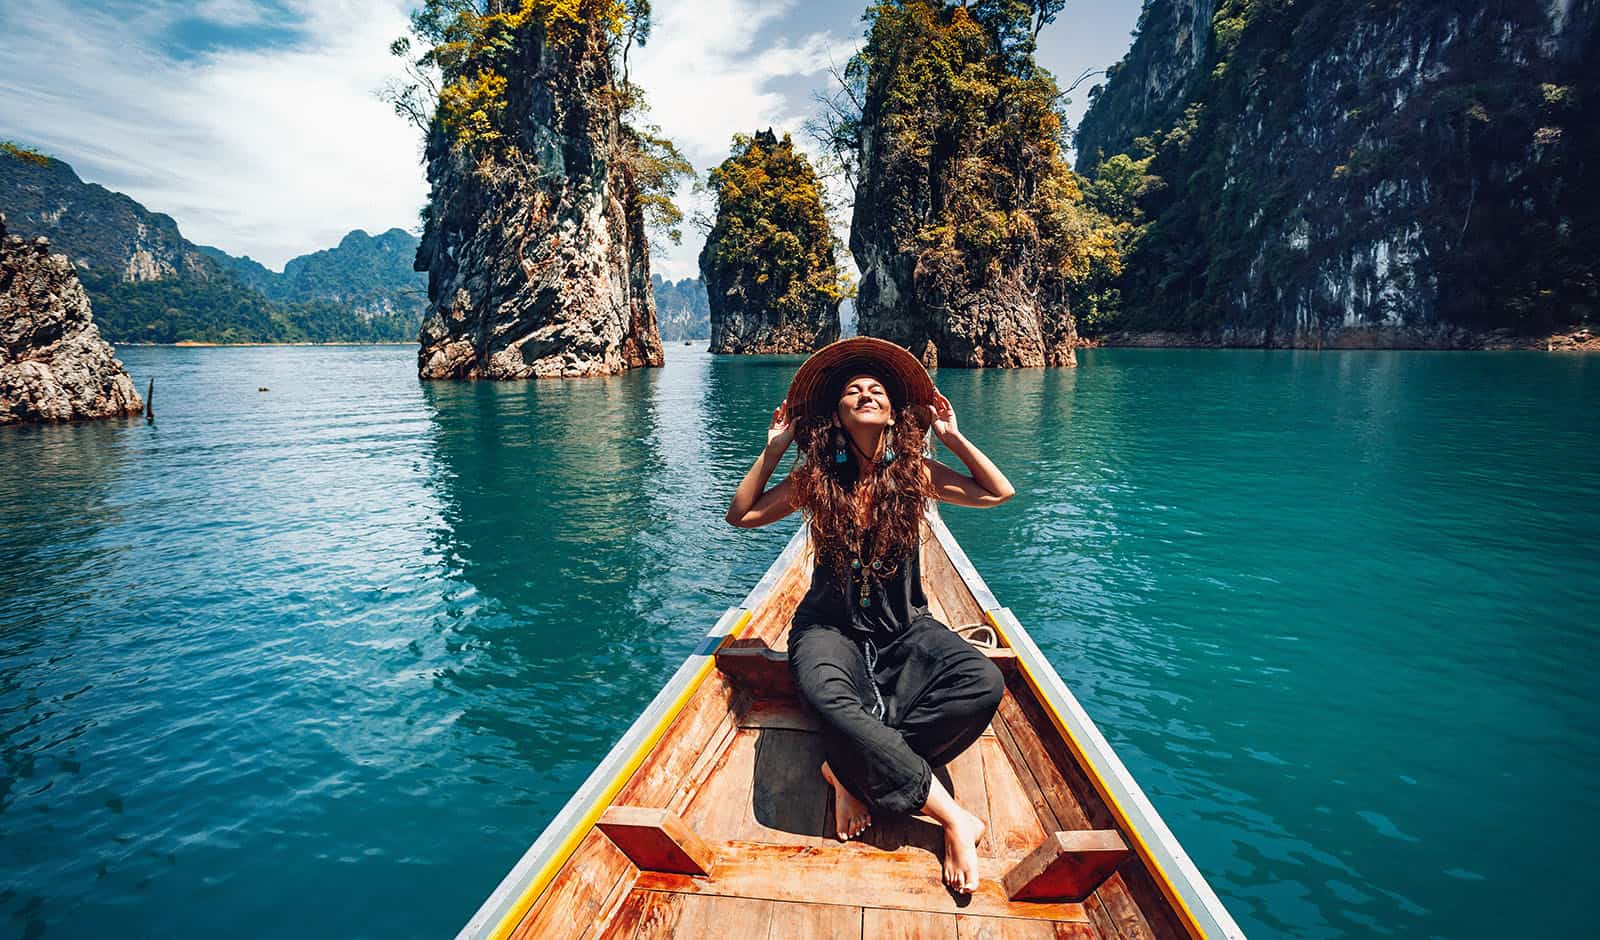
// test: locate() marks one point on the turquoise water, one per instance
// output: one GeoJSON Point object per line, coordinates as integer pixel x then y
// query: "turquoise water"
{"type": "Point", "coordinates": [322, 661]}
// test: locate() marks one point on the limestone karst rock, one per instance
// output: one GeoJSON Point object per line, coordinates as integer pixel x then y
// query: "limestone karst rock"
{"type": "Point", "coordinates": [963, 194]}
{"type": "Point", "coordinates": [1350, 174]}
{"type": "Point", "coordinates": [772, 279]}
{"type": "Point", "coordinates": [535, 247]}
{"type": "Point", "coordinates": [53, 364]}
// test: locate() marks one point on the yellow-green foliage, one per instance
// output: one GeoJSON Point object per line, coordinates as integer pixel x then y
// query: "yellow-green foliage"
{"type": "Point", "coordinates": [470, 108]}
{"type": "Point", "coordinates": [474, 52]}
{"type": "Point", "coordinates": [771, 232]}
{"type": "Point", "coordinates": [26, 154]}
{"type": "Point", "coordinates": [970, 119]}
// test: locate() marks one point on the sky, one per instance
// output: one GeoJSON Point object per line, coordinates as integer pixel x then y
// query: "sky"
{"type": "Point", "coordinates": [255, 124]}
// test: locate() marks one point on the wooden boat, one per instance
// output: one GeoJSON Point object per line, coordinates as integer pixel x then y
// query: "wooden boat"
{"type": "Point", "coordinates": [710, 816]}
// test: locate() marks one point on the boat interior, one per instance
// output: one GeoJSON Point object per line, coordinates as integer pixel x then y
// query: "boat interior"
{"type": "Point", "coordinates": [725, 826]}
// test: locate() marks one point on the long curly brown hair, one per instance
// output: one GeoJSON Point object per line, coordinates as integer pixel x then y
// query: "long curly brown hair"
{"type": "Point", "coordinates": [830, 494]}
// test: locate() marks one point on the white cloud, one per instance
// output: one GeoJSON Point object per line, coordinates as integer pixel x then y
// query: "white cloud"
{"type": "Point", "coordinates": [271, 152]}
{"type": "Point", "coordinates": [707, 76]}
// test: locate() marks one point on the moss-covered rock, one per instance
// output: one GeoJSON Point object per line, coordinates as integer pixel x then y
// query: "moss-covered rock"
{"type": "Point", "coordinates": [769, 262]}
{"type": "Point", "coordinates": [970, 230]}
{"type": "Point", "coordinates": [534, 235]}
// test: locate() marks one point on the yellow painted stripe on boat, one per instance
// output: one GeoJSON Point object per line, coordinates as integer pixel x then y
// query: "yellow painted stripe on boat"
{"type": "Point", "coordinates": [575, 835]}
{"type": "Point", "coordinates": [1190, 922]}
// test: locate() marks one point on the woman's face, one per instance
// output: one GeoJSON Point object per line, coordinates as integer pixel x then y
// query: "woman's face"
{"type": "Point", "coordinates": [864, 403]}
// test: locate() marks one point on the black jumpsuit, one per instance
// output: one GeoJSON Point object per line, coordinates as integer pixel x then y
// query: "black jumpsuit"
{"type": "Point", "coordinates": [898, 692]}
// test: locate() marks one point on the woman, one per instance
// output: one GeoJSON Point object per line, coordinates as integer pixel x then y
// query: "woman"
{"type": "Point", "coordinates": [898, 691]}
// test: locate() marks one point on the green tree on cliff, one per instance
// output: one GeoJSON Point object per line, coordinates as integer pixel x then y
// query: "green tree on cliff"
{"type": "Point", "coordinates": [771, 242]}
{"type": "Point", "coordinates": [968, 132]}
{"type": "Point", "coordinates": [456, 86]}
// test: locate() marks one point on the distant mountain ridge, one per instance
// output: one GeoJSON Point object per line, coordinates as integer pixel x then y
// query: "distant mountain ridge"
{"type": "Point", "coordinates": [683, 311]}
{"type": "Point", "coordinates": [150, 284]}
{"type": "Point", "coordinates": [370, 273]}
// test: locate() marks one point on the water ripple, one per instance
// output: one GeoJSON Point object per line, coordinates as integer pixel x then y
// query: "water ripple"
{"type": "Point", "coordinates": [346, 646]}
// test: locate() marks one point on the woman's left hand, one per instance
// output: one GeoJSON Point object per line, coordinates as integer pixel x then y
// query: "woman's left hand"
{"type": "Point", "coordinates": [943, 417]}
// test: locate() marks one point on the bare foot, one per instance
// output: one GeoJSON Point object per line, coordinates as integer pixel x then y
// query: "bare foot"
{"type": "Point", "coordinates": [961, 837]}
{"type": "Point", "coordinates": [850, 815]}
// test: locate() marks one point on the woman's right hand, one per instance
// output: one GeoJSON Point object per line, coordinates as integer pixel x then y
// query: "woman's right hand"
{"type": "Point", "coordinates": [781, 430]}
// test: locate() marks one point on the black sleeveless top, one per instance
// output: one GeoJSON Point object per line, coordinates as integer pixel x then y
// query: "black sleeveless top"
{"type": "Point", "coordinates": [892, 605]}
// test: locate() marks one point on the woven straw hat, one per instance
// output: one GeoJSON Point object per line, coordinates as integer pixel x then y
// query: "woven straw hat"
{"type": "Point", "coordinates": [903, 376]}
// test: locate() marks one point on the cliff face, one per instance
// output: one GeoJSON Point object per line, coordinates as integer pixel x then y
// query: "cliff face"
{"type": "Point", "coordinates": [536, 254]}
{"type": "Point", "coordinates": [964, 203]}
{"type": "Point", "coordinates": [1356, 174]}
{"type": "Point", "coordinates": [771, 278]}
{"type": "Point", "coordinates": [53, 364]}
{"type": "Point", "coordinates": [1147, 89]}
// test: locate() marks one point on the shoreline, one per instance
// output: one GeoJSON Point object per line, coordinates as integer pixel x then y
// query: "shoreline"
{"type": "Point", "coordinates": [1444, 339]}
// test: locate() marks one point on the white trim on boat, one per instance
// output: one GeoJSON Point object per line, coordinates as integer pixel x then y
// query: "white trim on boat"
{"type": "Point", "coordinates": [1167, 859]}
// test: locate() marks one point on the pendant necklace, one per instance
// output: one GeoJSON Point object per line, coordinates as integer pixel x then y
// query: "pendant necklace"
{"type": "Point", "coordinates": [873, 570]}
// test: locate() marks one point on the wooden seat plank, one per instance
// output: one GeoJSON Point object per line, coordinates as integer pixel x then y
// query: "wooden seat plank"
{"type": "Point", "coordinates": [656, 839]}
{"type": "Point", "coordinates": [853, 874]}
{"type": "Point", "coordinates": [786, 712]}
{"type": "Point", "coordinates": [1067, 866]}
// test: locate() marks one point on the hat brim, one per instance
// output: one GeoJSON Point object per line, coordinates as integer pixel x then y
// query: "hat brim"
{"type": "Point", "coordinates": [812, 379]}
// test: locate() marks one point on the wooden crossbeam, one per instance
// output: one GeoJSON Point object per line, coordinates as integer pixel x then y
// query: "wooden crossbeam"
{"type": "Point", "coordinates": [1068, 866]}
{"type": "Point", "coordinates": [753, 665]}
{"type": "Point", "coordinates": [657, 840]}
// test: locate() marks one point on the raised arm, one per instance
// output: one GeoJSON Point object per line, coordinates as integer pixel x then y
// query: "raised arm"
{"type": "Point", "coordinates": [753, 505]}
{"type": "Point", "coordinates": [986, 486]}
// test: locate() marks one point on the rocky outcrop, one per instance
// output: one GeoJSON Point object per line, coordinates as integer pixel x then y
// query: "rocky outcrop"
{"type": "Point", "coordinates": [53, 364]}
{"type": "Point", "coordinates": [536, 251]}
{"type": "Point", "coordinates": [772, 279]}
{"type": "Point", "coordinates": [961, 225]}
{"type": "Point", "coordinates": [1353, 174]}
